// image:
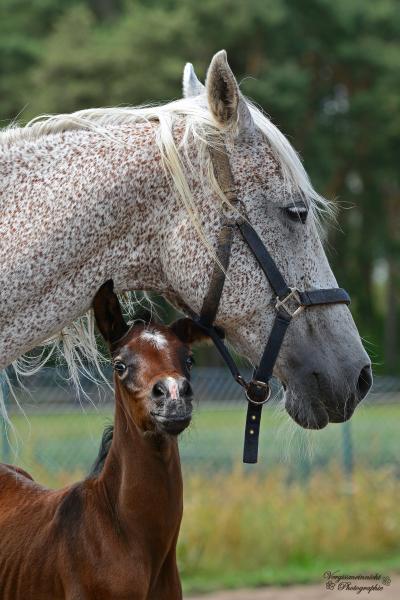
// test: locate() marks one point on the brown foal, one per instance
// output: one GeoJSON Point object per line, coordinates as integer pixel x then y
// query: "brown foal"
{"type": "Point", "coordinates": [112, 536]}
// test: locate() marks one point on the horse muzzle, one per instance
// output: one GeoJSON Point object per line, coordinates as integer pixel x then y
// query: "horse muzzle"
{"type": "Point", "coordinates": [317, 400]}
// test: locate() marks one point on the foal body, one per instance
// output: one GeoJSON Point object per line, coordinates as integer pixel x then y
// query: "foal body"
{"type": "Point", "coordinates": [108, 537]}
{"type": "Point", "coordinates": [112, 536]}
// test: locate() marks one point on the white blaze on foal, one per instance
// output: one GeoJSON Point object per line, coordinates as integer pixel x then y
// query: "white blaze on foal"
{"type": "Point", "coordinates": [155, 338]}
{"type": "Point", "coordinates": [172, 388]}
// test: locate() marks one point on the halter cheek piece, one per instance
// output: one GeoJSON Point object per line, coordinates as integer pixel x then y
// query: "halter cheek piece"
{"type": "Point", "coordinates": [290, 302]}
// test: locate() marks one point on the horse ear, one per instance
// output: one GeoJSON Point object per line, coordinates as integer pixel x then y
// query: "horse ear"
{"type": "Point", "coordinates": [188, 331]}
{"type": "Point", "coordinates": [222, 90]}
{"type": "Point", "coordinates": [108, 313]}
{"type": "Point", "coordinates": [224, 98]}
{"type": "Point", "coordinates": [190, 84]}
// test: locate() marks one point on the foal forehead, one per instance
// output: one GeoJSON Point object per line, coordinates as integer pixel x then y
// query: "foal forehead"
{"type": "Point", "coordinates": [154, 338]}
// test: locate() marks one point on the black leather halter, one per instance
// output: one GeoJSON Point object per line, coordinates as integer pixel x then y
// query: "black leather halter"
{"type": "Point", "coordinates": [289, 304]}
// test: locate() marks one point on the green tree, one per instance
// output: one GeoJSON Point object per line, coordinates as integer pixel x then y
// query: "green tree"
{"type": "Point", "coordinates": [328, 72]}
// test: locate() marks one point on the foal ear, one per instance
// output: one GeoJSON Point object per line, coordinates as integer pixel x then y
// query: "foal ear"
{"type": "Point", "coordinates": [188, 331]}
{"type": "Point", "coordinates": [108, 314]}
{"type": "Point", "coordinates": [190, 84]}
{"type": "Point", "coordinates": [224, 98]}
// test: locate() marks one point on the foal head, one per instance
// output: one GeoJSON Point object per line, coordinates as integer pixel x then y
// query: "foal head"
{"type": "Point", "coordinates": [152, 365]}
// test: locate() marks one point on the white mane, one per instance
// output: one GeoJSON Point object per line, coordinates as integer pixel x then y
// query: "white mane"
{"type": "Point", "coordinates": [199, 123]}
{"type": "Point", "coordinates": [77, 342]}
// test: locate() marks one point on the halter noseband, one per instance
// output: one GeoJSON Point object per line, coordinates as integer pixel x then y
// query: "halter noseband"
{"type": "Point", "coordinates": [290, 302]}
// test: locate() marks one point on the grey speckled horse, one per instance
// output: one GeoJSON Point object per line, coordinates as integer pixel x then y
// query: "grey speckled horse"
{"type": "Point", "coordinates": [128, 194]}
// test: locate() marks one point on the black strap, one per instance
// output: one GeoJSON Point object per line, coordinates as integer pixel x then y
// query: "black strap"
{"type": "Point", "coordinates": [224, 177]}
{"type": "Point", "coordinates": [252, 433]}
{"type": "Point", "coordinates": [272, 347]}
{"type": "Point", "coordinates": [254, 393]}
{"type": "Point", "coordinates": [277, 281]}
{"type": "Point", "coordinates": [215, 335]}
{"type": "Point", "coordinates": [212, 299]}
{"type": "Point", "coordinates": [257, 390]}
{"type": "Point", "coordinates": [264, 258]}
{"type": "Point", "coordinates": [329, 296]}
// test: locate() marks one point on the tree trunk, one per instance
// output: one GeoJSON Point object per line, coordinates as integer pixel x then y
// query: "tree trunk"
{"type": "Point", "coordinates": [392, 346]}
{"type": "Point", "coordinates": [392, 357]}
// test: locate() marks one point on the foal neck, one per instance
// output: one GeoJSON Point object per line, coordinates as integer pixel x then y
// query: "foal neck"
{"type": "Point", "coordinates": [142, 478]}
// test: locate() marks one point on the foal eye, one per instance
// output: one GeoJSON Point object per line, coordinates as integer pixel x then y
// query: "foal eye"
{"type": "Point", "coordinates": [189, 362]}
{"type": "Point", "coordinates": [119, 367]}
{"type": "Point", "coordinates": [297, 213]}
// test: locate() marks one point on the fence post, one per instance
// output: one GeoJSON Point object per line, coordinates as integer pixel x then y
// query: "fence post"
{"type": "Point", "coordinates": [5, 445]}
{"type": "Point", "coordinates": [348, 456]}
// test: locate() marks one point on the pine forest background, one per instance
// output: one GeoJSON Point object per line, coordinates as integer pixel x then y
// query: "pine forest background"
{"type": "Point", "coordinates": [327, 72]}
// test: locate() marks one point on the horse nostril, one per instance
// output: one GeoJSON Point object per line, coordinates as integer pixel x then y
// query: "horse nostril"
{"type": "Point", "coordinates": [159, 390]}
{"type": "Point", "coordinates": [364, 382]}
{"type": "Point", "coordinates": [185, 389]}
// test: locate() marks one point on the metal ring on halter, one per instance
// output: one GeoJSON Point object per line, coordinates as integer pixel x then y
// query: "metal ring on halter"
{"type": "Point", "coordinates": [259, 384]}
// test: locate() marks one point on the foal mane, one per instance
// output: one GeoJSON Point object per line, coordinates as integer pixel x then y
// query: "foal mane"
{"type": "Point", "coordinates": [77, 343]}
{"type": "Point", "coordinates": [105, 445]}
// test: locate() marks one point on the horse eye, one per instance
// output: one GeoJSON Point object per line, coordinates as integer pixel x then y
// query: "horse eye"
{"type": "Point", "coordinates": [119, 367]}
{"type": "Point", "coordinates": [189, 362]}
{"type": "Point", "coordinates": [297, 213]}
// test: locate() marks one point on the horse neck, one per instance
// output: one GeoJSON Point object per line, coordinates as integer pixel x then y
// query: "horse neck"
{"type": "Point", "coordinates": [77, 208]}
{"type": "Point", "coordinates": [142, 480]}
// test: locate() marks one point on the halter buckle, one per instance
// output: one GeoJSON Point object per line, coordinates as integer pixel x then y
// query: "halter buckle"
{"type": "Point", "coordinates": [263, 386]}
{"type": "Point", "coordinates": [282, 303]}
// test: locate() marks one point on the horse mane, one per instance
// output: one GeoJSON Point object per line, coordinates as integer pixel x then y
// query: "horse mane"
{"type": "Point", "coordinates": [77, 342]}
{"type": "Point", "coordinates": [200, 124]}
{"type": "Point", "coordinates": [105, 445]}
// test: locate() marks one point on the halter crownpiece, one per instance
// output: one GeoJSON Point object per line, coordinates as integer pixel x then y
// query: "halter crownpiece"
{"type": "Point", "coordinates": [290, 302]}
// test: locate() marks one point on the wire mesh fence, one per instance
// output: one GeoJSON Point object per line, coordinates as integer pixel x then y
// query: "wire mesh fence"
{"type": "Point", "coordinates": [58, 437]}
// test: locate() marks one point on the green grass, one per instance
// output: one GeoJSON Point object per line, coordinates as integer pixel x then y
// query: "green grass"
{"type": "Point", "coordinates": [287, 575]}
{"type": "Point", "coordinates": [56, 447]}
{"type": "Point", "coordinates": [216, 439]}
{"type": "Point", "coordinates": [285, 520]}
{"type": "Point", "coordinates": [53, 445]}
{"type": "Point", "coordinates": [240, 529]}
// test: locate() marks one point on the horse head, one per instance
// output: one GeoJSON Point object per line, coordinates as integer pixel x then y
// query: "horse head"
{"type": "Point", "coordinates": [322, 364]}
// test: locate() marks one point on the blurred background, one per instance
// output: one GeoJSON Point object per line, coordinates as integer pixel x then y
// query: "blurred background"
{"type": "Point", "coordinates": [328, 74]}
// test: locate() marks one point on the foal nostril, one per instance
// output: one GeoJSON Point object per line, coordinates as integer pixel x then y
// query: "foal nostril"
{"type": "Point", "coordinates": [185, 389]}
{"type": "Point", "coordinates": [159, 390]}
{"type": "Point", "coordinates": [364, 382]}
{"type": "Point", "coordinates": [171, 389]}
